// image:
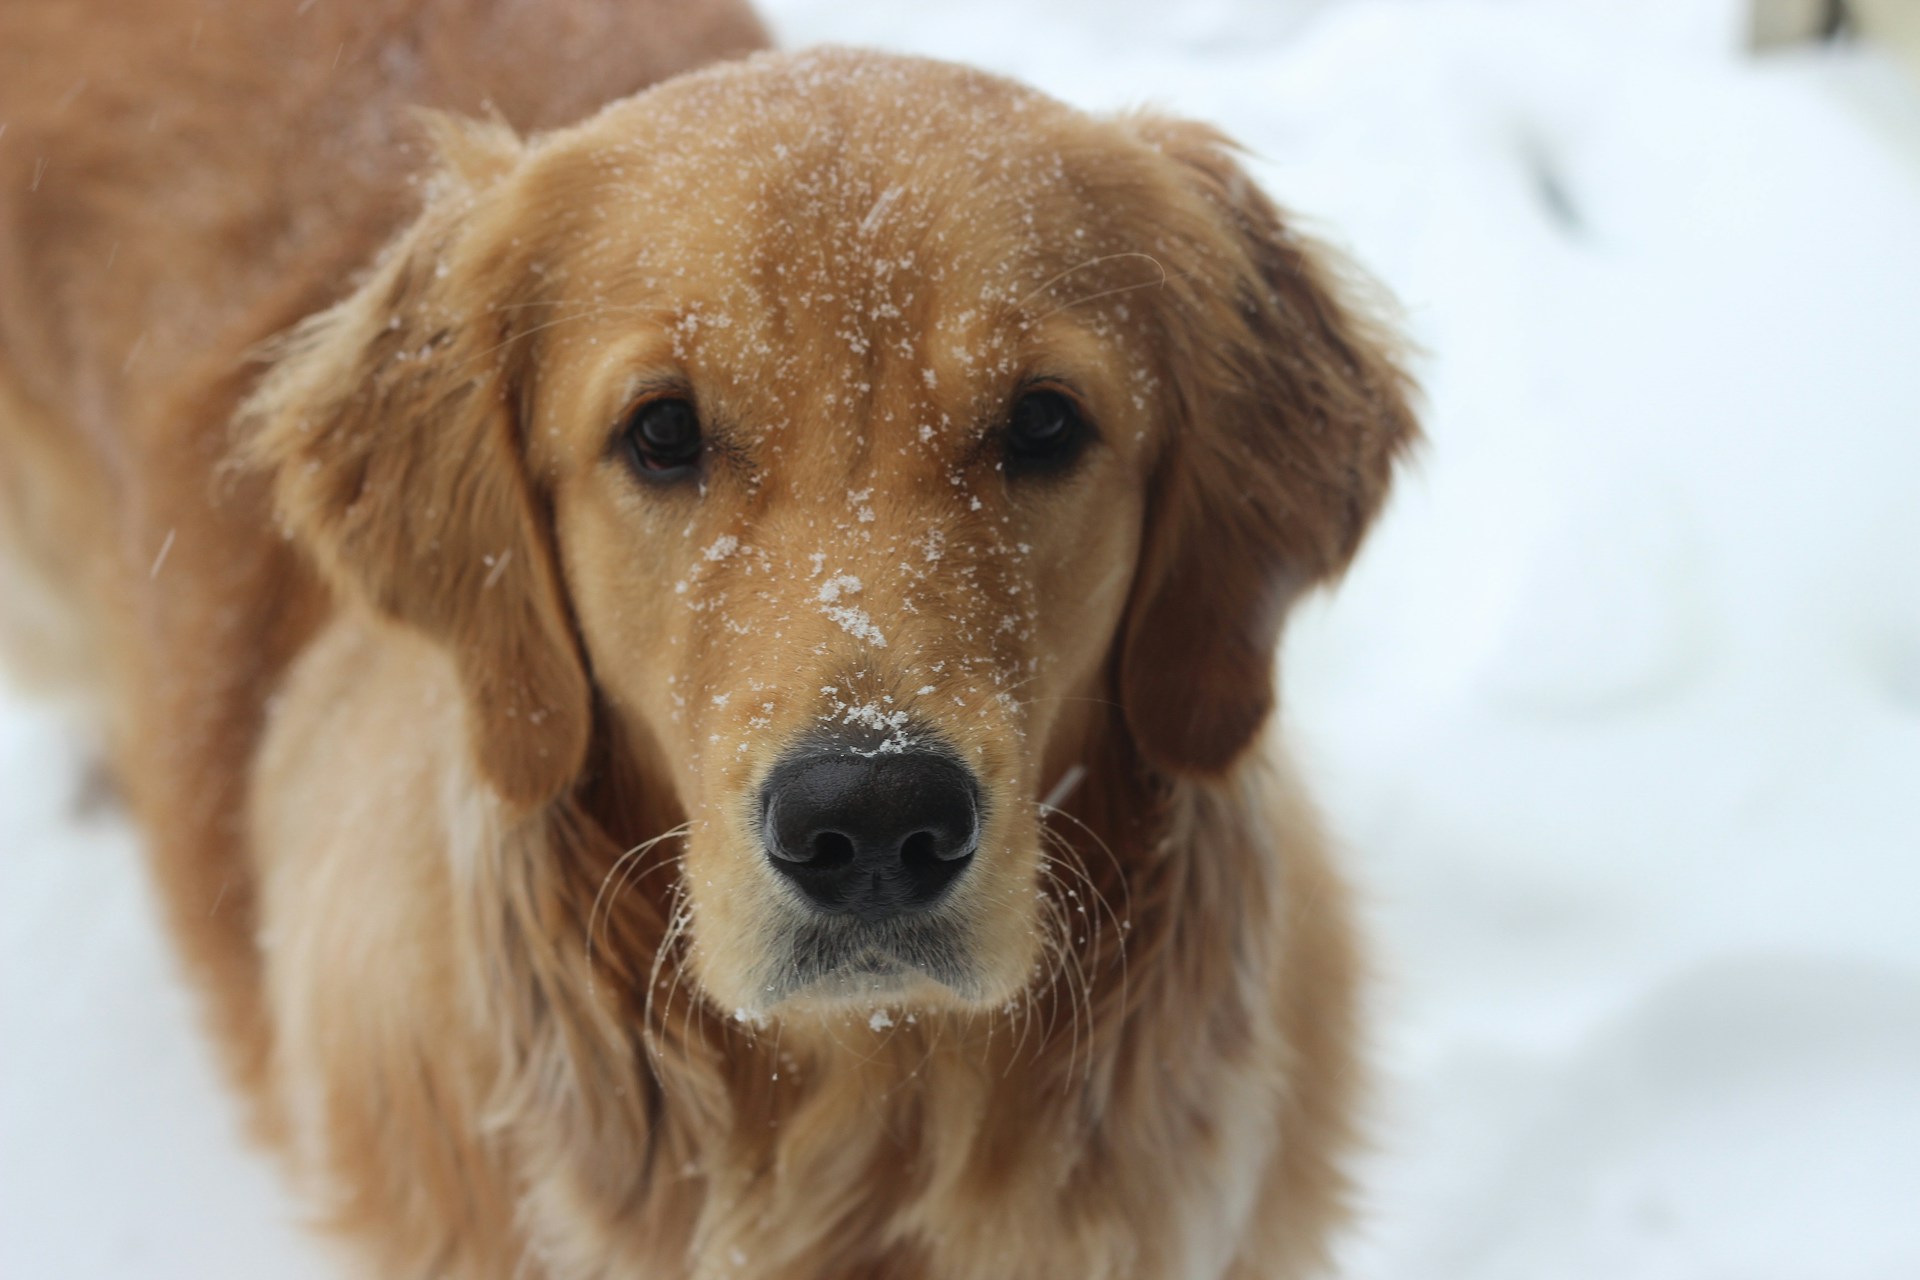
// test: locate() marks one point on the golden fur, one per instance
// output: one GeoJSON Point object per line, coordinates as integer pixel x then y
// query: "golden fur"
{"type": "Point", "coordinates": [443, 729]}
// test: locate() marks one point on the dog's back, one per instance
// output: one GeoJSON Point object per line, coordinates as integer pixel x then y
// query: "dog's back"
{"type": "Point", "coordinates": [179, 182]}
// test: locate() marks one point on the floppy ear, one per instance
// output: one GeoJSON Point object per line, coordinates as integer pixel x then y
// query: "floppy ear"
{"type": "Point", "coordinates": [391, 425]}
{"type": "Point", "coordinates": [1289, 408]}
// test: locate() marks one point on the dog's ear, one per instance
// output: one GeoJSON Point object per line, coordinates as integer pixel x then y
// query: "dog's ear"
{"type": "Point", "coordinates": [391, 425]}
{"type": "Point", "coordinates": [1288, 408]}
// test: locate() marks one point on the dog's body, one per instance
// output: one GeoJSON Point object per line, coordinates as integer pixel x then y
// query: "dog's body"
{"type": "Point", "coordinates": [395, 688]}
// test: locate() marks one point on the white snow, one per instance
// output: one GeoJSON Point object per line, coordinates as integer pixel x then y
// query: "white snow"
{"type": "Point", "coordinates": [1618, 716]}
{"type": "Point", "coordinates": [854, 621]}
{"type": "Point", "coordinates": [833, 588]}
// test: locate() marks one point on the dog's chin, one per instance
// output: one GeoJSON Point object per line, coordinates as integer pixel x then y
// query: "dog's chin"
{"type": "Point", "coordinates": [870, 982]}
{"type": "Point", "coordinates": [828, 966]}
{"type": "Point", "coordinates": [833, 961]}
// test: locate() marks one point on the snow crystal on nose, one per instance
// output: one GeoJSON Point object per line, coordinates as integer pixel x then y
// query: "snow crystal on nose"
{"type": "Point", "coordinates": [855, 622]}
{"type": "Point", "coordinates": [831, 589]}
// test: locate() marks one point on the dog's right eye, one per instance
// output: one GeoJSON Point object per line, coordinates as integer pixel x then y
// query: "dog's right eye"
{"type": "Point", "coordinates": [1045, 433]}
{"type": "Point", "coordinates": [663, 439]}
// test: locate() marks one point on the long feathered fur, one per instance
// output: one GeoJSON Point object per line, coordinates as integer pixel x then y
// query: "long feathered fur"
{"type": "Point", "coordinates": [471, 980]}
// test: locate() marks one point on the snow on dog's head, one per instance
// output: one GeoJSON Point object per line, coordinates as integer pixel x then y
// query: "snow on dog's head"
{"type": "Point", "coordinates": [836, 451]}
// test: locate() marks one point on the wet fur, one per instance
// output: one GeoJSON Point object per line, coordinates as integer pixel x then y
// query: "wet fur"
{"type": "Point", "coordinates": [425, 830]}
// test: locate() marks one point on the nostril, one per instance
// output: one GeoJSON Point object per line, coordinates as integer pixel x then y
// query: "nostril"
{"type": "Point", "coordinates": [917, 849]}
{"type": "Point", "coordinates": [831, 849]}
{"type": "Point", "coordinates": [929, 849]}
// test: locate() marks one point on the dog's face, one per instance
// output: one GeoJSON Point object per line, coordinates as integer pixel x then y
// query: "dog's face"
{"type": "Point", "coordinates": [849, 465]}
{"type": "Point", "coordinates": [865, 437]}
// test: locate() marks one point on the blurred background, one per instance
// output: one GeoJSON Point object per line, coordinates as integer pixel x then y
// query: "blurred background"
{"type": "Point", "coordinates": [1618, 717]}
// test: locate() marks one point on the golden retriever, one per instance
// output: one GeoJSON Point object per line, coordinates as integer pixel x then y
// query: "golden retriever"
{"type": "Point", "coordinates": [700, 713]}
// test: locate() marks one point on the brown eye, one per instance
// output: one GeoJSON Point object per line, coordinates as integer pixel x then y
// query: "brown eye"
{"type": "Point", "coordinates": [1045, 433]}
{"type": "Point", "coordinates": [663, 439]}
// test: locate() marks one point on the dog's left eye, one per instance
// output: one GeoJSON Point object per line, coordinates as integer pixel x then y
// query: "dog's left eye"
{"type": "Point", "coordinates": [663, 439]}
{"type": "Point", "coordinates": [1045, 433]}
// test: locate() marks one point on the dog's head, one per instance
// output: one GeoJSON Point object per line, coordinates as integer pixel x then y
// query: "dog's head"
{"type": "Point", "coordinates": [859, 439]}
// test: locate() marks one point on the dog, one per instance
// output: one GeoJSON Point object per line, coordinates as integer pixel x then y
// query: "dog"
{"type": "Point", "coordinates": [702, 711]}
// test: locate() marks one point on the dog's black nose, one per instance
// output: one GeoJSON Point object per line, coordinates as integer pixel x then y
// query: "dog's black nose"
{"type": "Point", "coordinates": [871, 836]}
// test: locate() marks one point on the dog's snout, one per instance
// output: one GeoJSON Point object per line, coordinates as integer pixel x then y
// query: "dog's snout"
{"type": "Point", "coordinates": [871, 836]}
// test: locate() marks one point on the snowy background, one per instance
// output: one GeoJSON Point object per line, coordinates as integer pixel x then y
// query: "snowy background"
{"type": "Point", "coordinates": [1619, 716]}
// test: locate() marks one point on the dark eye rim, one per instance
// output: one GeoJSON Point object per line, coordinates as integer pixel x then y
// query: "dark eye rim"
{"type": "Point", "coordinates": [1057, 455]}
{"type": "Point", "coordinates": [650, 464]}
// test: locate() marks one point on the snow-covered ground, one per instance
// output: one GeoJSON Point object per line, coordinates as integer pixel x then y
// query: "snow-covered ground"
{"type": "Point", "coordinates": [1619, 715]}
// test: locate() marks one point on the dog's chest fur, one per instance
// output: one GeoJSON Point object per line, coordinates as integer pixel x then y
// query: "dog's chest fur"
{"type": "Point", "coordinates": [668, 1138]}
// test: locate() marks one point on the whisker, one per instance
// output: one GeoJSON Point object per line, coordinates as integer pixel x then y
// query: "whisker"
{"type": "Point", "coordinates": [620, 866]}
{"type": "Point", "coordinates": [1092, 262]}
{"type": "Point", "coordinates": [1085, 1000]}
{"type": "Point", "coordinates": [1124, 923]}
{"type": "Point", "coordinates": [1108, 293]}
{"type": "Point", "coordinates": [1059, 946]}
{"type": "Point", "coordinates": [588, 313]}
{"type": "Point", "coordinates": [1068, 854]}
{"type": "Point", "coordinates": [677, 919]}
{"type": "Point", "coordinates": [1065, 787]}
